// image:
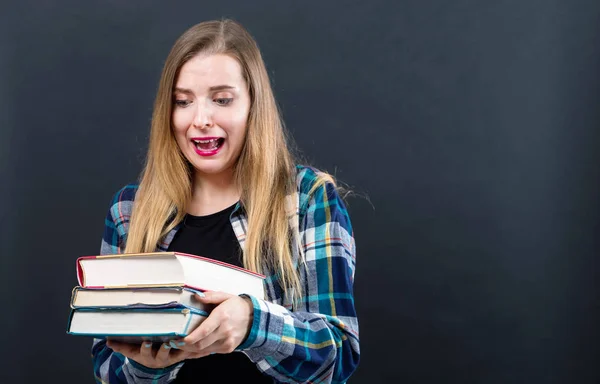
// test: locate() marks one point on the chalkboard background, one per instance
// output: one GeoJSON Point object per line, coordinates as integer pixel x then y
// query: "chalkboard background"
{"type": "Point", "coordinates": [468, 129]}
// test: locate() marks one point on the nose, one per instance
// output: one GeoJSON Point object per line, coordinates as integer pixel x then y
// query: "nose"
{"type": "Point", "coordinates": [203, 118]}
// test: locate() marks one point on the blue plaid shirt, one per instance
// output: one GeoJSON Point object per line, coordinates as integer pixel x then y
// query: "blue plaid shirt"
{"type": "Point", "coordinates": [314, 342]}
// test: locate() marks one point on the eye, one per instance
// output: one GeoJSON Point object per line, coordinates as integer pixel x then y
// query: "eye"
{"type": "Point", "coordinates": [223, 101]}
{"type": "Point", "coordinates": [182, 103]}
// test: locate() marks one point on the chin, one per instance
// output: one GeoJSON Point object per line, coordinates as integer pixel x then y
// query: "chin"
{"type": "Point", "coordinates": [211, 169]}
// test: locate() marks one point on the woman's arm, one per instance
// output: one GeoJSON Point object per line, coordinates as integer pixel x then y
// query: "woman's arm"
{"type": "Point", "coordinates": [318, 342]}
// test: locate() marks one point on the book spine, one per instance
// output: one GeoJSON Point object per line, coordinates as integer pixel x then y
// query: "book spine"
{"type": "Point", "coordinates": [80, 271]}
{"type": "Point", "coordinates": [73, 297]}
{"type": "Point", "coordinates": [69, 321]}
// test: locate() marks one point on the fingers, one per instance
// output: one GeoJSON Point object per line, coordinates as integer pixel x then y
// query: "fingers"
{"type": "Point", "coordinates": [148, 356]}
{"type": "Point", "coordinates": [201, 344]}
{"type": "Point", "coordinates": [163, 355]}
{"type": "Point", "coordinates": [227, 325]}
{"type": "Point", "coordinates": [207, 327]}
{"type": "Point", "coordinates": [125, 349]}
{"type": "Point", "coordinates": [146, 351]}
{"type": "Point", "coordinates": [213, 297]}
{"type": "Point", "coordinates": [220, 346]}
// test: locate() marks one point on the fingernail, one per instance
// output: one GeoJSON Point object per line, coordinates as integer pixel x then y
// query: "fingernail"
{"type": "Point", "coordinates": [181, 343]}
{"type": "Point", "coordinates": [147, 345]}
{"type": "Point", "coordinates": [172, 344]}
{"type": "Point", "coordinates": [212, 353]}
{"type": "Point", "coordinates": [167, 346]}
{"type": "Point", "coordinates": [200, 294]}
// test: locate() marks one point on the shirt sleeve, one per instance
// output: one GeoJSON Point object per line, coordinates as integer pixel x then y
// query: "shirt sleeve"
{"type": "Point", "coordinates": [318, 341]}
{"type": "Point", "coordinates": [112, 367]}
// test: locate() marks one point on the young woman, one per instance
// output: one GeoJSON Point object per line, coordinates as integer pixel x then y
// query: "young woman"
{"type": "Point", "coordinates": [220, 182]}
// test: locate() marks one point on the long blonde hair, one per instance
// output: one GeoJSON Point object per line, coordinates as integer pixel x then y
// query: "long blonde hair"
{"type": "Point", "coordinates": [265, 170]}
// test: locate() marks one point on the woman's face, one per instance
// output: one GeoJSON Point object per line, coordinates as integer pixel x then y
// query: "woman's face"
{"type": "Point", "coordinates": [210, 112]}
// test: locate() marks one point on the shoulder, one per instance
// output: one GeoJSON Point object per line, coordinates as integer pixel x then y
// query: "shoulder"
{"type": "Point", "coordinates": [306, 177]}
{"type": "Point", "coordinates": [122, 201]}
{"type": "Point", "coordinates": [116, 224]}
{"type": "Point", "coordinates": [307, 183]}
{"type": "Point", "coordinates": [317, 190]}
{"type": "Point", "coordinates": [127, 193]}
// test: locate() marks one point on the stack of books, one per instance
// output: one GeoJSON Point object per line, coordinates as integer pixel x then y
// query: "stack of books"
{"type": "Point", "coordinates": [150, 296]}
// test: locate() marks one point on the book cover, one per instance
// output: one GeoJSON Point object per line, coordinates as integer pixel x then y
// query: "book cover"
{"type": "Point", "coordinates": [164, 269]}
{"type": "Point", "coordinates": [146, 297]}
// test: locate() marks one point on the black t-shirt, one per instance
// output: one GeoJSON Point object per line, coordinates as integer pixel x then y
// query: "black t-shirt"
{"type": "Point", "coordinates": [212, 236]}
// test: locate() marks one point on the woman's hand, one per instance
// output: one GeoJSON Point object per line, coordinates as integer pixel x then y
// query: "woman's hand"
{"type": "Point", "coordinates": [147, 356]}
{"type": "Point", "coordinates": [223, 330]}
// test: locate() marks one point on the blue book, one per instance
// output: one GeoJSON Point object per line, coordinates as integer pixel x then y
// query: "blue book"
{"type": "Point", "coordinates": [135, 325]}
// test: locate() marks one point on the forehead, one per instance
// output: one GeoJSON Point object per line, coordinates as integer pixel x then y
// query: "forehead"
{"type": "Point", "coordinates": [204, 71]}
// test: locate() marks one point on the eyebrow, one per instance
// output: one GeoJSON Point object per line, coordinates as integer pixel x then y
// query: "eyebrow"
{"type": "Point", "coordinates": [212, 89]}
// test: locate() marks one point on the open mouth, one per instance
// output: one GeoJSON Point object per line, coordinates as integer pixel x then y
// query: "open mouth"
{"type": "Point", "coordinates": [208, 144]}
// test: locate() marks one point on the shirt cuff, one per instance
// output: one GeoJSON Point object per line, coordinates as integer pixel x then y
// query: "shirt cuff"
{"type": "Point", "coordinates": [267, 328]}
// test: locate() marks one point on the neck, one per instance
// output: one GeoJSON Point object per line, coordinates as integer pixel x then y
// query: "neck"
{"type": "Point", "coordinates": [213, 193]}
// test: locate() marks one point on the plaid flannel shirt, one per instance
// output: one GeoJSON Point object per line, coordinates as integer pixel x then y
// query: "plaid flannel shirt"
{"type": "Point", "coordinates": [315, 342]}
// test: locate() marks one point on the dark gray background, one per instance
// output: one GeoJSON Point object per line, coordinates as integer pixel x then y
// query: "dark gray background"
{"type": "Point", "coordinates": [472, 127]}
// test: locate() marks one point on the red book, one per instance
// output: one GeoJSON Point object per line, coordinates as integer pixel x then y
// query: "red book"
{"type": "Point", "coordinates": [171, 269]}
